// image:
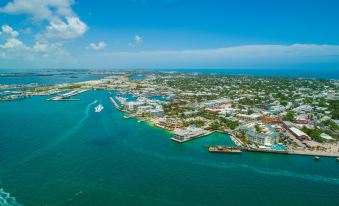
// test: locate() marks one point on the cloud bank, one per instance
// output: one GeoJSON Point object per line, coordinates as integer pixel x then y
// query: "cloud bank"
{"type": "Point", "coordinates": [245, 56]}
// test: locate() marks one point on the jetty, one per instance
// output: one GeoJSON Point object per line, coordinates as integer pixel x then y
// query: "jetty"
{"type": "Point", "coordinates": [66, 96]}
{"type": "Point", "coordinates": [224, 149]}
{"type": "Point", "coordinates": [115, 104]}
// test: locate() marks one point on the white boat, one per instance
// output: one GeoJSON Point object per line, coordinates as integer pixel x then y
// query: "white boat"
{"type": "Point", "coordinates": [99, 108]}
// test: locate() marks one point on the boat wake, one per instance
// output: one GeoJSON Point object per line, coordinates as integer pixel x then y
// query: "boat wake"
{"type": "Point", "coordinates": [7, 200]}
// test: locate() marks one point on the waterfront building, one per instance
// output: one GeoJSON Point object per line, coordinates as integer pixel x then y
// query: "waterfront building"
{"type": "Point", "coordinates": [189, 132]}
{"type": "Point", "coordinates": [266, 135]}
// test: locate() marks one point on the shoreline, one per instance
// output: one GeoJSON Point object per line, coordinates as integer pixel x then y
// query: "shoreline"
{"type": "Point", "coordinates": [235, 140]}
{"type": "Point", "coordinates": [312, 153]}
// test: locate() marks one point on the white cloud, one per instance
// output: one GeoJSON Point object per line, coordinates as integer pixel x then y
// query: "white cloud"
{"type": "Point", "coordinates": [14, 49]}
{"type": "Point", "coordinates": [10, 37]}
{"type": "Point", "coordinates": [59, 22]}
{"type": "Point", "coordinates": [40, 9]}
{"type": "Point", "coordinates": [63, 24]}
{"type": "Point", "coordinates": [71, 29]}
{"type": "Point", "coordinates": [7, 31]}
{"type": "Point", "coordinates": [137, 42]}
{"type": "Point", "coordinates": [98, 46]}
{"type": "Point", "coordinates": [10, 43]}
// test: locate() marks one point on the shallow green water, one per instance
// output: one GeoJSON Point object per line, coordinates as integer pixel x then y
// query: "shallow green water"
{"type": "Point", "coordinates": [50, 151]}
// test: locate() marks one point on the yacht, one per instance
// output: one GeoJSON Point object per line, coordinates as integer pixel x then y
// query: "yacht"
{"type": "Point", "coordinates": [99, 108]}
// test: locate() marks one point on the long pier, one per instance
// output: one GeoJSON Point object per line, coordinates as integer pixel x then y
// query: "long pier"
{"type": "Point", "coordinates": [66, 97]}
{"type": "Point", "coordinates": [115, 104]}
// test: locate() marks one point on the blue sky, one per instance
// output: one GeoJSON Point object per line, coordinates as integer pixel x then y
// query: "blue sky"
{"type": "Point", "coordinates": [169, 34]}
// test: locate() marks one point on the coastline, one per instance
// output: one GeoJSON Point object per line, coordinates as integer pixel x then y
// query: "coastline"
{"type": "Point", "coordinates": [235, 140]}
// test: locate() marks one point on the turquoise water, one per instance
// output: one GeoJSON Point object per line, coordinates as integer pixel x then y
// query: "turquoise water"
{"type": "Point", "coordinates": [55, 79]}
{"type": "Point", "coordinates": [63, 153]}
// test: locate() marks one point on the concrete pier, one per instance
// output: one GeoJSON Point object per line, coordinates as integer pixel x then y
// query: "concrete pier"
{"type": "Point", "coordinates": [66, 97]}
{"type": "Point", "coordinates": [115, 103]}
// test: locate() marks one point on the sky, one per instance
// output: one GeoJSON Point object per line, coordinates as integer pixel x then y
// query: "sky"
{"type": "Point", "coordinates": [232, 34]}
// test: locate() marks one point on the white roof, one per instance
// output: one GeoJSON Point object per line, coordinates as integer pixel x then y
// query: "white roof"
{"type": "Point", "coordinates": [326, 136]}
{"type": "Point", "coordinates": [298, 132]}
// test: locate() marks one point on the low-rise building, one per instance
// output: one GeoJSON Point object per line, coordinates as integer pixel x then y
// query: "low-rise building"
{"type": "Point", "coordinates": [299, 134]}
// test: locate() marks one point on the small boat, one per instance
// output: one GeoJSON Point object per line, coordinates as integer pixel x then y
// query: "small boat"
{"type": "Point", "coordinates": [99, 108]}
{"type": "Point", "coordinates": [337, 159]}
{"type": "Point", "coordinates": [317, 158]}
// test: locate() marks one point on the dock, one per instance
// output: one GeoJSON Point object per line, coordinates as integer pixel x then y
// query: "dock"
{"type": "Point", "coordinates": [224, 149]}
{"type": "Point", "coordinates": [115, 104]}
{"type": "Point", "coordinates": [66, 97]}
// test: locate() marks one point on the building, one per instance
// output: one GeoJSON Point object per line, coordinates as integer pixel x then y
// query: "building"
{"type": "Point", "coordinates": [189, 133]}
{"type": "Point", "coordinates": [302, 119]}
{"type": "Point", "coordinates": [267, 136]}
{"type": "Point", "coordinates": [299, 134]}
{"type": "Point", "coordinates": [254, 116]}
{"type": "Point", "coordinates": [157, 112]}
{"type": "Point", "coordinates": [270, 119]}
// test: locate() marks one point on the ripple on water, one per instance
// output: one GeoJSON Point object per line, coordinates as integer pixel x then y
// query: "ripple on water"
{"type": "Point", "coordinates": [7, 200]}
